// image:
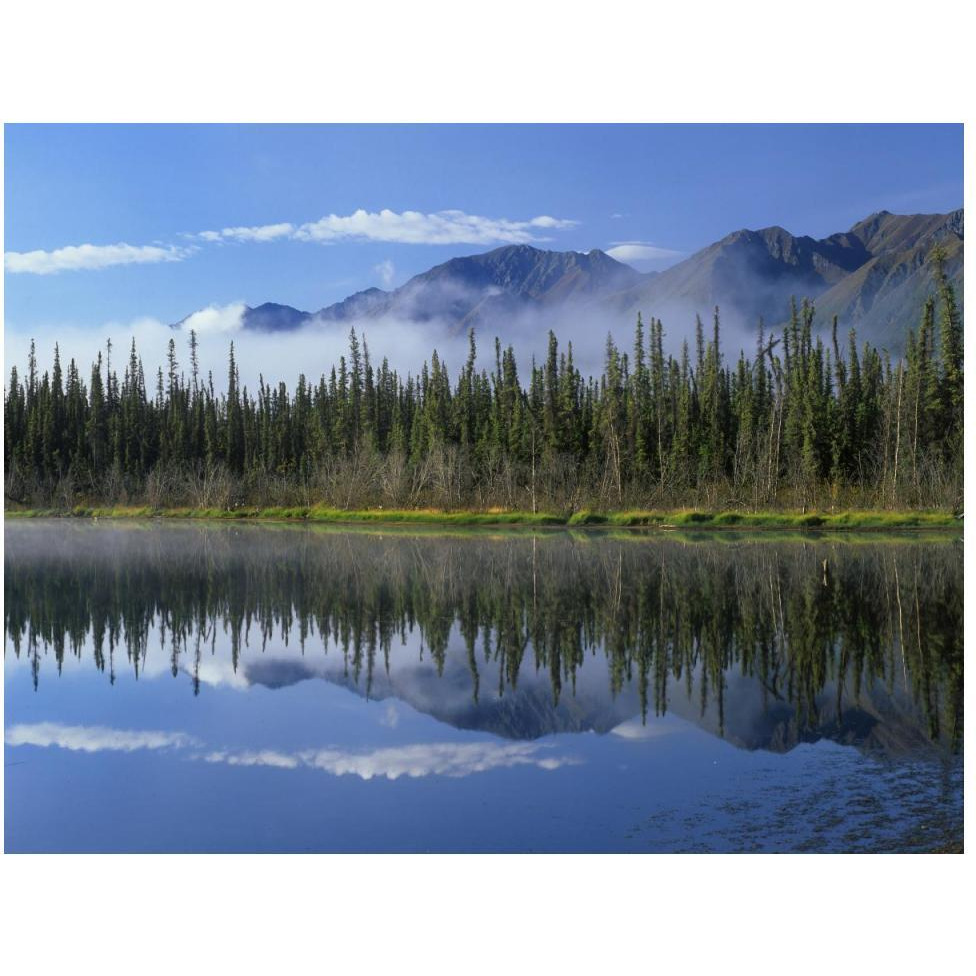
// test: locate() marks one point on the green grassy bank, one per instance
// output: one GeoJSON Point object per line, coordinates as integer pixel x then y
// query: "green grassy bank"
{"type": "Point", "coordinates": [627, 519]}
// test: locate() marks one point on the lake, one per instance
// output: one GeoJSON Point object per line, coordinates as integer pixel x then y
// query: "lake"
{"type": "Point", "coordinates": [192, 686]}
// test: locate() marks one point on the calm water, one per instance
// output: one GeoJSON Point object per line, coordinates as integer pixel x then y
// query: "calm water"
{"type": "Point", "coordinates": [207, 687]}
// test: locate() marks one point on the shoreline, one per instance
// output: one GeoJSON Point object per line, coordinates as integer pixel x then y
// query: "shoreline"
{"type": "Point", "coordinates": [664, 520]}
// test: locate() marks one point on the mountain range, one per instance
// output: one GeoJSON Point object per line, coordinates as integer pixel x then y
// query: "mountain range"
{"type": "Point", "coordinates": [873, 277]}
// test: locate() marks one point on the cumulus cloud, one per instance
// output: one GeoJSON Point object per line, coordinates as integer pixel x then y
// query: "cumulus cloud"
{"type": "Point", "coordinates": [89, 257]}
{"type": "Point", "coordinates": [386, 272]}
{"type": "Point", "coordinates": [93, 738]}
{"type": "Point", "coordinates": [260, 234]}
{"type": "Point", "coordinates": [413, 227]}
{"type": "Point", "coordinates": [642, 252]}
{"type": "Point", "coordinates": [216, 318]}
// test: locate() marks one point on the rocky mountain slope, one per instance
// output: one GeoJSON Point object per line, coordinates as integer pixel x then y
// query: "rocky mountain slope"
{"type": "Point", "coordinates": [882, 298]}
{"type": "Point", "coordinates": [874, 277]}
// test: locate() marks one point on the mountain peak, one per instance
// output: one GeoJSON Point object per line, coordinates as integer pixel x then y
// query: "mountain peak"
{"type": "Point", "coordinates": [514, 249]}
{"type": "Point", "coordinates": [492, 286]}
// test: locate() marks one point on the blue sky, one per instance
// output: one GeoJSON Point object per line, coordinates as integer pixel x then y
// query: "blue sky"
{"type": "Point", "coordinates": [156, 189]}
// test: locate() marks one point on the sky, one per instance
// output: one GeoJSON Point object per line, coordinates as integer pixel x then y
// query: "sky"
{"type": "Point", "coordinates": [109, 225]}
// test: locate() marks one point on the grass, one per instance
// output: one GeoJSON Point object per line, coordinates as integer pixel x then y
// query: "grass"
{"type": "Point", "coordinates": [768, 520]}
{"type": "Point", "coordinates": [686, 519]}
{"type": "Point", "coordinates": [433, 517]}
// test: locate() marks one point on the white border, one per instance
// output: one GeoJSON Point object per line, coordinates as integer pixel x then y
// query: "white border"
{"type": "Point", "coordinates": [502, 61]}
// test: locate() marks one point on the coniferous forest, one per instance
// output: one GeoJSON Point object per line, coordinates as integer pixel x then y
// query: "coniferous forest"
{"type": "Point", "coordinates": [802, 423]}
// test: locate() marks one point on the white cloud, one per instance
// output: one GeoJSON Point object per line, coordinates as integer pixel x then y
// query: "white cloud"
{"type": "Point", "coordinates": [89, 257]}
{"type": "Point", "coordinates": [386, 272]}
{"type": "Point", "coordinates": [413, 227]}
{"type": "Point", "coordinates": [260, 234]}
{"type": "Point", "coordinates": [216, 318]}
{"type": "Point", "coordinates": [551, 223]}
{"type": "Point", "coordinates": [641, 252]}
{"type": "Point", "coordinates": [93, 738]}
{"type": "Point", "coordinates": [408, 227]}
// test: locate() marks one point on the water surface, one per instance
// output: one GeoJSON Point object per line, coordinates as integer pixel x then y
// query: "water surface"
{"type": "Point", "coordinates": [213, 687]}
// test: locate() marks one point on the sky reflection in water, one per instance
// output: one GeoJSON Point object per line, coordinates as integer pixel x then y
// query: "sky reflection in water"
{"type": "Point", "coordinates": [222, 687]}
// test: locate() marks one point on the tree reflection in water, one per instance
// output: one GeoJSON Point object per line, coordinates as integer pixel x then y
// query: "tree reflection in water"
{"type": "Point", "coordinates": [856, 641]}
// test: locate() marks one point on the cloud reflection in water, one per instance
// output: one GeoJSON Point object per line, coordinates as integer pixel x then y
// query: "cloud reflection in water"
{"type": "Point", "coordinates": [453, 759]}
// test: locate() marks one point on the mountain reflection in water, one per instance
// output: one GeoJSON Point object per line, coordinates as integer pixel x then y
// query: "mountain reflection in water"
{"type": "Point", "coordinates": [765, 643]}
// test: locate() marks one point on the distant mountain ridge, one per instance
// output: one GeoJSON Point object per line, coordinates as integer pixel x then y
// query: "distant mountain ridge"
{"type": "Point", "coordinates": [873, 277]}
{"type": "Point", "coordinates": [883, 297]}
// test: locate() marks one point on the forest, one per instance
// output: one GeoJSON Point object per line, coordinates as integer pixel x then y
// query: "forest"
{"type": "Point", "coordinates": [805, 424]}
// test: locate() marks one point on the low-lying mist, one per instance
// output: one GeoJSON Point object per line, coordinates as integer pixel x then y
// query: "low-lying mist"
{"type": "Point", "coordinates": [316, 347]}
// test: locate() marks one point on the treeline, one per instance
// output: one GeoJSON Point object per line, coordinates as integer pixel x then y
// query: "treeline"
{"type": "Point", "coordinates": [802, 423]}
{"type": "Point", "coordinates": [827, 635]}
